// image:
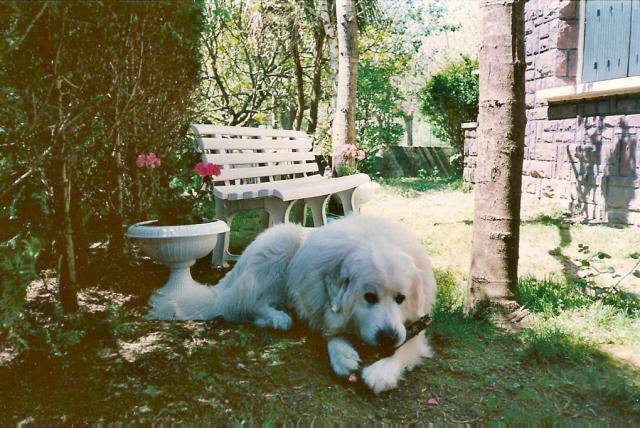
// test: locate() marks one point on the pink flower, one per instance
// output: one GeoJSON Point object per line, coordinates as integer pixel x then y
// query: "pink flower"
{"type": "Point", "coordinates": [152, 160]}
{"type": "Point", "coordinates": [350, 151]}
{"type": "Point", "coordinates": [207, 169]}
{"type": "Point", "coordinates": [432, 401]}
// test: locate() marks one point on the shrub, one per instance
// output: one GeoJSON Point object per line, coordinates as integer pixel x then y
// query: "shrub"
{"type": "Point", "coordinates": [17, 269]}
{"type": "Point", "coordinates": [450, 98]}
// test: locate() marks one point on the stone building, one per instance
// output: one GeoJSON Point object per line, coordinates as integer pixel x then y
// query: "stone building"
{"type": "Point", "coordinates": [583, 107]}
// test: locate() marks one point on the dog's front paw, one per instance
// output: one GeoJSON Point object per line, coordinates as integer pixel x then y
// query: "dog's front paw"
{"type": "Point", "coordinates": [382, 375]}
{"type": "Point", "coordinates": [272, 318]}
{"type": "Point", "coordinates": [344, 359]}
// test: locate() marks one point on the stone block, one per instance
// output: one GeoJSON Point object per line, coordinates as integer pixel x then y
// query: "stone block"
{"type": "Point", "coordinates": [538, 113]}
{"type": "Point", "coordinates": [547, 137]}
{"type": "Point", "coordinates": [584, 193]}
{"type": "Point", "coordinates": [566, 171]}
{"type": "Point", "coordinates": [531, 43]}
{"type": "Point", "coordinates": [552, 63]}
{"type": "Point", "coordinates": [632, 120]}
{"type": "Point", "coordinates": [615, 120]}
{"type": "Point", "coordinates": [627, 156]}
{"type": "Point", "coordinates": [568, 9]}
{"type": "Point", "coordinates": [538, 169]}
{"type": "Point", "coordinates": [544, 45]}
{"type": "Point", "coordinates": [556, 189]}
{"type": "Point", "coordinates": [566, 34]}
{"type": "Point", "coordinates": [546, 152]}
{"type": "Point", "coordinates": [572, 62]}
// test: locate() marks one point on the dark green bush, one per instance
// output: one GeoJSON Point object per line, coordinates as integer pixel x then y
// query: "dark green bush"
{"type": "Point", "coordinates": [450, 98]}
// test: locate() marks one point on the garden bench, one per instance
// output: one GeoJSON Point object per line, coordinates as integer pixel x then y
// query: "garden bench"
{"type": "Point", "coordinates": [269, 169]}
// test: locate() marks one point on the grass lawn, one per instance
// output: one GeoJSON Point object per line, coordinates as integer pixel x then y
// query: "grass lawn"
{"type": "Point", "coordinates": [577, 363]}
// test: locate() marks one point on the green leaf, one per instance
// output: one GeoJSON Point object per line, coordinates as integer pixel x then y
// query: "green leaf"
{"type": "Point", "coordinates": [635, 255]}
{"type": "Point", "coordinates": [152, 391]}
{"type": "Point", "coordinates": [603, 255]}
{"type": "Point", "coordinates": [611, 269]}
{"type": "Point", "coordinates": [636, 273]}
{"type": "Point", "coordinates": [585, 263]}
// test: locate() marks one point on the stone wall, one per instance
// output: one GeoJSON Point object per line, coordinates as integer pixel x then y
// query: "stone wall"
{"type": "Point", "coordinates": [586, 151]}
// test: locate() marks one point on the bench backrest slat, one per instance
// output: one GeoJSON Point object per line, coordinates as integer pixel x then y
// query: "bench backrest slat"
{"type": "Point", "coordinates": [254, 143]}
{"type": "Point", "coordinates": [264, 171]}
{"type": "Point", "coordinates": [251, 155]}
{"type": "Point", "coordinates": [258, 158]}
{"type": "Point", "coordinates": [203, 130]}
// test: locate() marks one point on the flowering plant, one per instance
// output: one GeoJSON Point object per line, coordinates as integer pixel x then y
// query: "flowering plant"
{"type": "Point", "coordinates": [147, 163]}
{"type": "Point", "coordinates": [351, 152]}
{"type": "Point", "coordinates": [351, 155]}
{"type": "Point", "coordinates": [150, 160]}
{"type": "Point", "coordinates": [207, 169]}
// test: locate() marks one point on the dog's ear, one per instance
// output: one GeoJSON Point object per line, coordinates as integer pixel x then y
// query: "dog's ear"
{"type": "Point", "coordinates": [337, 284]}
{"type": "Point", "coordinates": [341, 281]}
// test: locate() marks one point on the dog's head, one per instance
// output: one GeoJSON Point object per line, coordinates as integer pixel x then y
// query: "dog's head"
{"type": "Point", "coordinates": [373, 291]}
{"type": "Point", "coordinates": [348, 280]}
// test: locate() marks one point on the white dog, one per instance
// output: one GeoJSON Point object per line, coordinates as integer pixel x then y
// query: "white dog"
{"type": "Point", "coordinates": [359, 276]}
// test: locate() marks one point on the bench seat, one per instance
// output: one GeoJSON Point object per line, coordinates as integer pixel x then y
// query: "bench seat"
{"type": "Point", "coordinates": [322, 187]}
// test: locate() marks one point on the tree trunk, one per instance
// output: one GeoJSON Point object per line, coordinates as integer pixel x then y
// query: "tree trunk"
{"type": "Point", "coordinates": [316, 80]}
{"type": "Point", "coordinates": [61, 186]}
{"type": "Point", "coordinates": [295, 52]}
{"type": "Point", "coordinates": [344, 122]}
{"type": "Point", "coordinates": [327, 16]}
{"type": "Point", "coordinates": [116, 242]}
{"type": "Point", "coordinates": [80, 236]}
{"type": "Point", "coordinates": [493, 276]}
{"type": "Point", "coordinates": [408, 127]}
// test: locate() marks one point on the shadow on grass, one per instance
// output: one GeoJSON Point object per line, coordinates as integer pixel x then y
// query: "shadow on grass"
{"type": "Point", "coordinates": [412, 186]}
{"type": "Point", "coordinates": [569, 268]}
{"type": "Point", "coordinates": [111, 365]}
{"type": "Point", "coordinates": [549, 296]}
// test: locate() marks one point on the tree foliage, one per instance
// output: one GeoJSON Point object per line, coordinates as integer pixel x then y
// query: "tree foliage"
{"type": "Point", "coordinates": [87, 86]}
{"type": "Point", "coordinates": [450, 98]}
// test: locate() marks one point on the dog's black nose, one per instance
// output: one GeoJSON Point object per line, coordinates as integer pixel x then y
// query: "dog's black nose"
{"type": "Point", "coordinates": [387, 338]}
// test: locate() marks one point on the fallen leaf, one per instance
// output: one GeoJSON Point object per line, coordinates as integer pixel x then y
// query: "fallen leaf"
{"type": "Point", "coordinates": [432, 401]}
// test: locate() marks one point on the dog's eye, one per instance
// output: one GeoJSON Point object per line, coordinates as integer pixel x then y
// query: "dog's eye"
{"type": "Point", "coordinates": [371, 298]}
{"type": "Point", "coordinates": [400, 298]}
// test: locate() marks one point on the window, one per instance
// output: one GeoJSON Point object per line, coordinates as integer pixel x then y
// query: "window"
{"type": "Point", "coordinates": [611, 39]}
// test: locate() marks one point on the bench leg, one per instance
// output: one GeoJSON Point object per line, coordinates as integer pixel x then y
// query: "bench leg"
{"type": "Point", "coordinates": [221, 252]}
{"type": "Point", "coordinates": [264, 220]}
{"type": "Point", "coordinates": [278, 210]}
{"type": "Point", "coordinates": [346, 199]}
{"type": "Point", "coordinates": [318, 207]}
{"type": "Point", "coordinates": [300, 213]}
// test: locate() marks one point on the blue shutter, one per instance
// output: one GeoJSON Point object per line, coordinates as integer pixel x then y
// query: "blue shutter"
{"type": "Point", "coordinates": [634, 44]}
{"type": "Point", "coordinates": [606, 39]}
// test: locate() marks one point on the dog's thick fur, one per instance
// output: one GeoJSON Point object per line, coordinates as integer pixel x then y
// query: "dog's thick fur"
{"type": "Point", "coordinates": [328, 276]}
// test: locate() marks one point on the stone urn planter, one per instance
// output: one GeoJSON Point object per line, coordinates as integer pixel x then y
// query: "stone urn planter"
{"type": "Point", "coordinates": [178, 247]}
